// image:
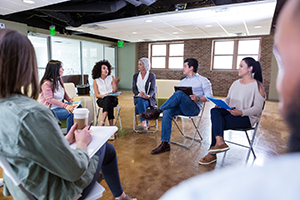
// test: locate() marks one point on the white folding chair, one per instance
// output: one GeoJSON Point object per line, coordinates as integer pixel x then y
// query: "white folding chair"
{"type": "Point", "coordinates": [98, 110]}
{"type": "Point", "coordinates": [136, 115]}
{"type": "Point", "coordinates": [250, 141]}
{"type": "Point", "coordinates": [95, 193]}
{"type": "Point", "coordinates": [195, 124]}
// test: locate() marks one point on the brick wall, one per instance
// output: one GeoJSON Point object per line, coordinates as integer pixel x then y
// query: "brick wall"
{"type": "Point", "coordinates": [201, 50]}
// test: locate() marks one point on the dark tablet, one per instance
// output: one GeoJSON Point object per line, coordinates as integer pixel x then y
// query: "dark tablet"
{"type": "Point", "coordinates": [186, 90]}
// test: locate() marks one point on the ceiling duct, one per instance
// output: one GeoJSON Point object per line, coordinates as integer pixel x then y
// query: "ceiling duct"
{"type": "Point", "coordinates": [95, 6]}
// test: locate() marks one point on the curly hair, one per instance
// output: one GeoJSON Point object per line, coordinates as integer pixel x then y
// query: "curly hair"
{"type": "Point", "coordinates": [96, 72]}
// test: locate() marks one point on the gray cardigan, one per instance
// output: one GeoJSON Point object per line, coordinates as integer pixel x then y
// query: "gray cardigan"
{"type": "Point", "coordinates": [151, 79]}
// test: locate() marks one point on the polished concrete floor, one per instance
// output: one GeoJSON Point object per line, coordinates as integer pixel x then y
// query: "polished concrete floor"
{"type": "Point", "coordinates": [148, 177]}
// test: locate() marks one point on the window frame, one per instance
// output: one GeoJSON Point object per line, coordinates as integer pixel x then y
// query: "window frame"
{"type": "Point", "coordinates": [167, 56]}
{"type": "Point", "coordinates": [235, 52]}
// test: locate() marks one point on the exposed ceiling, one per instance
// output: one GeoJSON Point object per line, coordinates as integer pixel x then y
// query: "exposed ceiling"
{"type": "Point", "coordinates": [125, 19]}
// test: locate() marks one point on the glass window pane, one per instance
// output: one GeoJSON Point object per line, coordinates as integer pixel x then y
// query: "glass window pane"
{"type": "Point", "coordinates": [223, 62]}
{"type": "Point", "coordinates": [176, 49]}
{"type": "Point", "coordinates": [248, 47]}
{"type": "Point", "coordinates": [158, 62]}
{"type": "Point", "coordinates": [41, 51]}
{"type": "Point", "coordinates": [175, 62]}
{"type": "Point", "coordinates": [239, 59]}
{"type": "Point", "coordinates": [225, 47]}
{"type": "Point", "coordinates": [110, 56]}
{"type": "Point", "coordinates": [68, 52]}
{"type": "Point", "coordinates": [91, 53]}
{"type": "Point", "coordinates": [159, 50]}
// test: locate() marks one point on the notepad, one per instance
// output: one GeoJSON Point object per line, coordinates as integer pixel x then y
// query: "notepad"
{"type": "Point", "coordinates": [219, 102]}
{"type": "Point", "coordinates": [114, 94]}
{"type": "Point", "coordinates": [76, 103]}
{"type": "Point", "coordinates": [100, 135]}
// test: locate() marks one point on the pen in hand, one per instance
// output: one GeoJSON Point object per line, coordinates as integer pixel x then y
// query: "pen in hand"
{"type": "Point", "coordinates": [90, 125]}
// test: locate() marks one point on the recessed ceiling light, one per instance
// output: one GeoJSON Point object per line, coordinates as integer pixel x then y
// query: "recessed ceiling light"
{"type": "Point", "coordinates": [257, 26]}
{"type": "Point", "coordinates": [28, 1]}
{"type": "Point", "coordinates": [148, 20]}
{"type": "Point", "coordinates": [134, 32]}
{"type": "Point", "coordinates": [208, 25]}
{"type": "Point", "coordinates": [175, 33]}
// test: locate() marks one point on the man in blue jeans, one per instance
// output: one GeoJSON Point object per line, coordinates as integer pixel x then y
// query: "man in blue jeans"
{"type": "Point", "coordinates": [180, 103]}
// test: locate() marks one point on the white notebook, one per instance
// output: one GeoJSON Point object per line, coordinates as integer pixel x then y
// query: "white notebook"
{"type": "Point", "coordinates": [100, 135]}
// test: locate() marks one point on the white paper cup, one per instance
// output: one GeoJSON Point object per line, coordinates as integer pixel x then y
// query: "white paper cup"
{"type": "Point", "coordinates": [81, 117]}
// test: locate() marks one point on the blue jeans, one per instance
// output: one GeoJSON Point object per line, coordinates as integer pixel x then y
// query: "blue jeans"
{"type": "Point", "coordinates": [222, 120]}
{"type": "Point", "coordinates": [110, 171]}
{"type": "Point", "coordinates": [62, 113]}
{"type": "Point", "coordinates": [140, 106]}
{"type": "Point", "coordinates": [178, 104]}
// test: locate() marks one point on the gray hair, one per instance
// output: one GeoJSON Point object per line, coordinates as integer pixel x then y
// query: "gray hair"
{"type": "Point", "coordinates": [146, 63]}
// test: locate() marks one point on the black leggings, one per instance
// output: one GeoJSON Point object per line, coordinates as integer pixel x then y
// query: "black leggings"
{"type": "Point", "coordinates": [108, 104]}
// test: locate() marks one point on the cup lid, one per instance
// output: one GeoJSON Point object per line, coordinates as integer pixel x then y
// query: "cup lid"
{"type": "Point", "coordinates": [81, 111]}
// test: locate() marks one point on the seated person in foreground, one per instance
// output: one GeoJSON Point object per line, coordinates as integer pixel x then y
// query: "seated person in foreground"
{"type": "Point", "coordinates": [105, 84]}
{"type": "Point", "coordinates": [247, 95]}
{"type": "Point", "coordinates": [53, 93]}
{"type": "Point", "coordinates": [180, 103]}
{"type": "Point", "coordinates": [143, 87]}
{"type": "Point", "coordinates": [31, 138]}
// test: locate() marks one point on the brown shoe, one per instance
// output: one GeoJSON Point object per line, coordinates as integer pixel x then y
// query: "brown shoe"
{"type": "Point", "coordinates": [218, 148]}
{"type": "Point", "coordinates": [208, 159]}
{"type": "Point", "coordinates": [163, 147]}
{"type": "Point", "coordinates": [152, 114]}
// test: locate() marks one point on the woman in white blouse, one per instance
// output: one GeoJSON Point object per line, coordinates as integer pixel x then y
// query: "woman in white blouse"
{"type": "Point", "coordinates": [105, 84]}
{"type": "Point", "coordinates": [143, 88]}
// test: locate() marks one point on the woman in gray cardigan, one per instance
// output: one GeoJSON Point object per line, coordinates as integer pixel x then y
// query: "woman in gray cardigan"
{"type": "Point", "coordinates": [143, 88]}
{"type": "Point", "coordinates": [247, 96]}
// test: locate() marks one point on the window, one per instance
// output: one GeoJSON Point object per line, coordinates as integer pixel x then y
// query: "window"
{"type": "Point", "coordinates": [227, 54]}
{"type": "Point", "coordinates": [167, 55]}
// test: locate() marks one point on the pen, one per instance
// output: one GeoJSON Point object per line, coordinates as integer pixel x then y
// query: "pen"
{"type": "Point", "coordinates": [90, 125]}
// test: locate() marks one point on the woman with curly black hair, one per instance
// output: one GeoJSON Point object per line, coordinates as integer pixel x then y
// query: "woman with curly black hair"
{"type": "Point", "coordinates": [105, 84]}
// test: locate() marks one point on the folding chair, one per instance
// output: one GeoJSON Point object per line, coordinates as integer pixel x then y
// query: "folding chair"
{"type": "Point", "coordinates": [136, 115]}
{"type": "Point", "coordinates": [250, 141]}
{"type": "Point", "coordinates": [196, 126]}
{"type": "Point", "coordinates": [99, 109]}
{"type": "Point", "coordinates": [95, 193]}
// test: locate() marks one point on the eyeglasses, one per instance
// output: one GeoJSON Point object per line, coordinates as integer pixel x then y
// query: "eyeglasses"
{"type": "Point", "coordinates": [278, 57]}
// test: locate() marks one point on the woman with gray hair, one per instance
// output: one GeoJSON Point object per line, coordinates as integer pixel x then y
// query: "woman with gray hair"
{"type": "Point", "coordinates": [143, 88]}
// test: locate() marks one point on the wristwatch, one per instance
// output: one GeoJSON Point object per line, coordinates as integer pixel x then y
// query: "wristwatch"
{"type": "Point", "coordinates": [198, 98]}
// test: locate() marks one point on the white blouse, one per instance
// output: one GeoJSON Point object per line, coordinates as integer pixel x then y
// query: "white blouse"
{"type": "Point", "coordinates": [140, 83]}
{"type": "Point", "coordinates": [104, 86]}
{"type": "Point", "coordinates": [59, 94]}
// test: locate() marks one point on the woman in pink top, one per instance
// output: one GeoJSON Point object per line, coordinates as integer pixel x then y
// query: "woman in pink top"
{"type": "Point", "coordinates": [53, 93]}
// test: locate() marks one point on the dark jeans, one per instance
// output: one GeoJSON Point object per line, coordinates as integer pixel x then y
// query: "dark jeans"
{"type": "Point", "coordinates": [110, 172]}
{"type": "Point", "coordinates": [222, 120]}
{"type": "Point", "coordinates": [108, 104]}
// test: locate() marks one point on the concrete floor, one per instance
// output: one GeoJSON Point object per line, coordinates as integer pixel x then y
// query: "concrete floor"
{"type": "Point", "coordinates": [148, 177]}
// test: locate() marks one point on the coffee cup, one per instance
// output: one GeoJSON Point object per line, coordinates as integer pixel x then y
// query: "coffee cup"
{"type": "Point", "coordinates": [81, 117]}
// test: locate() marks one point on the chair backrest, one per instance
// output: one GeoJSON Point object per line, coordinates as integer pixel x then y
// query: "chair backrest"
{"type": "Point", "coordinates": [11, 174]}
{"type": "Point", "coordinates": [70, 89]}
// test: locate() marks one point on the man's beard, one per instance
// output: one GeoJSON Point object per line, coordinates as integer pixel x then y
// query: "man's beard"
{"type": "Point", "coordinates": [293, 121]}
